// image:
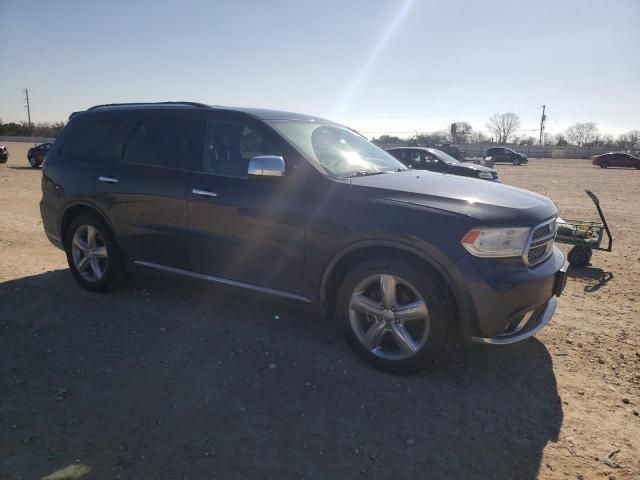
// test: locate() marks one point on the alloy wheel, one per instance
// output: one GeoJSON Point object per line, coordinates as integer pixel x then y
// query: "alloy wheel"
{"type": "Point", "coordinates": [89, 253]}
{"type": "Point", "coordinates": [389, 317]}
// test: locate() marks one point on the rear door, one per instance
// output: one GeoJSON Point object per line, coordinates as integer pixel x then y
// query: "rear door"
{"type": "Point", "coordinates": [144, 190]}
{"type": "Point", "coordinates": [247, 229]}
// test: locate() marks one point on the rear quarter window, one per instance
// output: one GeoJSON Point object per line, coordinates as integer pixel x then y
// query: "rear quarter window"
{"type": "Point", "coordinates": [91, 136]}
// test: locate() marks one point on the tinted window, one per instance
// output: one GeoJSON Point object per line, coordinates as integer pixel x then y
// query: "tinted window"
{"type": "Point", "coordinates": [174, 142]}
{"type": "Point", "coordinates": [90, 137]}
{"type": "Point", "coordinates": [231, 145]}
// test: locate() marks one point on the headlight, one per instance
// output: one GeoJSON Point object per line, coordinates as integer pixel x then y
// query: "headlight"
{"type": "Point", "coordinates": [485, 175]}
{"type": "Point", "coordinates": [496, 242]}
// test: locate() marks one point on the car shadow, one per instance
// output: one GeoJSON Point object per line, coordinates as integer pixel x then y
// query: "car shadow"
{"type": "Point", "coordinates": [176, 379]}
{"type": "Point", "coordinates": [595, 278]}
{"type": "Point", "coordinates": [24, 168]}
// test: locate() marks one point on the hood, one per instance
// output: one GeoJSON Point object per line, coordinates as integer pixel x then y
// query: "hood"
{"type": "Point", "coordinates": [475, 167]}
{"type": "Point", "coordinates": [490, 203]}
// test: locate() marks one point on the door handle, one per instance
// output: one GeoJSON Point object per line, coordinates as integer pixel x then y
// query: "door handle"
{"type": "Point", "coordinates": [107, 179]}
{"type": "Point", "coordinates": [204, 193]}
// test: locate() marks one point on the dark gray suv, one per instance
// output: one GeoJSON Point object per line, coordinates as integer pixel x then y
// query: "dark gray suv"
{"type": "Point", "coordinates": [306, 209]}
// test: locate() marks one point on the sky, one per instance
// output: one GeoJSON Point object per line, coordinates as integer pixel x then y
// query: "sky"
{"type": "Point", "coordinates": [380, 66]}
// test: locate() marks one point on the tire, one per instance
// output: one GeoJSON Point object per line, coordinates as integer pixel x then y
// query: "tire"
{"type": "Point", "coordinates": [579, 256]}
{"type": "Point", "coordinates": [376, 334]}
{"type": "Point", "coordinates": [638, 166]}
{"type": "Point", "coordinates": [105, 256]}
{"type": "Point", "coordinates": [516, 162]}
{"type": "Point", "coordinates": [33, 162]}
{"type": "Point", "coordinates": [604, 164]}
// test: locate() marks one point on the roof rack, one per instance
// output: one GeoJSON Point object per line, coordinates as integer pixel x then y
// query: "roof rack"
{"type": "Point", "coordinates": [135, 104]}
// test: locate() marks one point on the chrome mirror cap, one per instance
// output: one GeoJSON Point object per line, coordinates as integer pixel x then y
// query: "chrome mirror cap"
{"type": "Point", "coordinates": [267, 165]}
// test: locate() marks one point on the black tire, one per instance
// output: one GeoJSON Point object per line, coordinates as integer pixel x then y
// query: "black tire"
{"type": "Point", "coordinates": [579, 256]}
{"type": "Point", "coordinates": [33, 162]}
{"type": "Point", "coordinates": [114, 266]}
{"type": "Point", "coordinates": [516, 162]}
{"type": "Point", "coordinates": [604, 164]}
{"type": "Point", "coordinates": [441, 312]}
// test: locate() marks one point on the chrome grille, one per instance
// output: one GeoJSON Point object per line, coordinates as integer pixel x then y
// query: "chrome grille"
{"type": "Point", "coordinates": [541, 242]}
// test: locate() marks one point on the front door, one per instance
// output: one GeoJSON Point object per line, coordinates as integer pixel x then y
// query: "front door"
{"type": "Point", "coordinates": [246, 229]}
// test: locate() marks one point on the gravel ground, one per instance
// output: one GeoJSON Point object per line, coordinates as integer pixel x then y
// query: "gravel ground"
{"type": "Point", "coordinates": [166, 378]}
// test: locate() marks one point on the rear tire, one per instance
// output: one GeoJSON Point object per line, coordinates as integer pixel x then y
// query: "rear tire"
{"type": "Point", "coordinates": [604, 164]}
{"type": "Point", "coordinates": [579, 256]}
{"type": "Point", "coordinates": [33, 162]}
{"type": "Point", "coordinates": [411, 333]}
{"type": "Point", "coordinates": [93, 255]}
{"type": "Point", "coordinates": [516, 162]}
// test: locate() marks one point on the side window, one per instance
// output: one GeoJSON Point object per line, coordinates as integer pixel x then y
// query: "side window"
{"type": "Point", "coordinates": [413, 157]}
{"type": "Point", "coordinates": [90, 137]}
{"type": "Point", "coordinates": [173, 142]}
{"type": "Point", "coordinates": [231, 145]}
{"type": "Point", "coordinates": [429, 158]}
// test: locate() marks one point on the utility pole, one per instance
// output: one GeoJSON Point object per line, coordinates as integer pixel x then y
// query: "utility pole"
{"type": "Point", "coordinates": [26, 99]}
{"type": "Point", "coordinates": [543, 118]}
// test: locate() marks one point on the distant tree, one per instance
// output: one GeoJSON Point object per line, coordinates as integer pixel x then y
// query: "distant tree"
{"type": "Point", "coordinates": [503, 125]}
{"type": "Point", "coordinates": [561, 141]}
{"type": "Point", "coordinates": [479, 137]}
{"type": "Point", "coordinates": [463, 132]}
{"type": "Point", "coordinates": [582, 134]}
{"type": "Point", "coordinates": [630, 140]}
{"type": "Point", "coordinates": [389, 140]}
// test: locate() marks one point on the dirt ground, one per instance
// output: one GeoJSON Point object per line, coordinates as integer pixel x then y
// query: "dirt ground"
{"type": "Point", "coordinates": [166, 378]}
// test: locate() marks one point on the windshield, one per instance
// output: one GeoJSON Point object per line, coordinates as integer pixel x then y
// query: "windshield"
{"type": "Point", "coordinates": [338, 150]}
{"type": "Point", "coordinates": [445, 157]}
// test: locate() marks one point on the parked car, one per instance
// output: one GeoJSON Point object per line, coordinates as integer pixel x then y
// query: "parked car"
{"type": "Point", "coordinates": [36, 155]}
{"type": "Point", "coordinates": [616, 159]}
{"type": "Point", "coordinates": [4, 154]}
{"type": "Point", "coordinates": [435, 160]}
{"type": "Point", "coordinates": [504, 155]}
{"type": "Point", "coordinates": [305, 209]}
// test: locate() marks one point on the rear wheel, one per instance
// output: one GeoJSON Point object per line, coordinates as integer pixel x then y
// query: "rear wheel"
{"type": "Point", "coordinates": [604, 164]}
{"type": "Point", "coordinates": [395, 316]}
{"type": "Point", "coordinates": [92, 253]}
{"type": "Point", "coordinates": [516, 162]}
{"type": "Point", "coordinates": [579, 256]}
{"type": "Point", "coordinates": [33, 162]}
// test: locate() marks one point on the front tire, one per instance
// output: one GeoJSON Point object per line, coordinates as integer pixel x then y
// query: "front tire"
{"type": "Point", "coordinates": [516, 162]}
{"type": "Point", "coordinates": [395, 316]}
{"type": "Point", "coordinates": [604, 164]}
{"type": "Point", "coordinates": [33, 162]}
{"type": "Point", "coordinates": [93, 254]}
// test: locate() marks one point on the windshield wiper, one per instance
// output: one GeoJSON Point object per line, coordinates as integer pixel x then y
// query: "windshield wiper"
{"type": "Point", "coordinates": [364, 173]}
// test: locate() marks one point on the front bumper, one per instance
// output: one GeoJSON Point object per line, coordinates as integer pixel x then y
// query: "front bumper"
{"type": "Point", "coordinates": [506, 302]}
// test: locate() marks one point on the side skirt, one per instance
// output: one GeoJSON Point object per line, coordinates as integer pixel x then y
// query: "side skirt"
{"type": "Point", "coordinates": [224, 281]}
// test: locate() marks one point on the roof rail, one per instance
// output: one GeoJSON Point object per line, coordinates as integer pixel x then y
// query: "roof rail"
{"type": "Point", "coordinates": [133, 104]}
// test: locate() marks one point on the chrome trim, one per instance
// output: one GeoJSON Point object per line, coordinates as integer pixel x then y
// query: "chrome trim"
{"type": "Point", "coordinates": [546, 240]}
{"type": "Point", "coordinates": [204, 193]}
{"type": "Point", "coordinates": [107, 179]}
{"type": "Point", "coordinates": [225, 281]}
{"type": "Point", "coordinates": [541, 321]}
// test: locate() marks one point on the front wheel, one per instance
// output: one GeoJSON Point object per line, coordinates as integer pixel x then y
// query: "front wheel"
{"type": "Point", "coordinates": [395, 316]}
{"type": "Point", "coordinates": [33, 162]}
{"type": "Point", "coordinates": [604, 164]}
{"type": "Point", "coordinates": [516, 162]}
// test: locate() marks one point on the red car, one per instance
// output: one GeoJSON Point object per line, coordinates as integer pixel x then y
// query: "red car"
{"type": "Point", "coordinates": [616, 159]}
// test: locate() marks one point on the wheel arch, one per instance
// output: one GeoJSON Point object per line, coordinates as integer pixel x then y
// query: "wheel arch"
{"type": "Point", "coordinates": [76, 209]}
{"type": "Point", "coordinates": [338, 266]}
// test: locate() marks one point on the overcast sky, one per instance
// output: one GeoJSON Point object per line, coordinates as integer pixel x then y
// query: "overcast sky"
{"type": "Point", "coordinates": [376, 65]}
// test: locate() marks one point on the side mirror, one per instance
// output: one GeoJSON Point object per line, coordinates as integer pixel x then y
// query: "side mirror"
{"type": "Point", "coordinates": [267, 165]}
